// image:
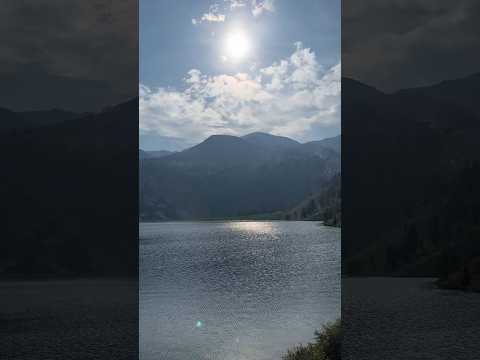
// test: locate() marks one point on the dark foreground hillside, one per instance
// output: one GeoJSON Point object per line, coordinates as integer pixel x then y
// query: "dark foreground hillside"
{"type": "Point", "coordinates": [69, 200]}
{"type": "Point", "coordinates": [410, 178]}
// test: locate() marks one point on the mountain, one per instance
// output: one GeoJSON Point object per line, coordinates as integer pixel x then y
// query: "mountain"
{"type": "Point", "coordinates": [219, 151]}
{"type": "Point", "coordinates": [328, 149]}
{"type": "Point", "coordinates": [48, 117]}
{"type": "Point", "coordinates": [227, 176]}
{"type": "Point", "coordinates": [271, 142]}
{"type": "Point", "coordinates": [143, 154]}
{"type": "Point", "coordinates": [325, 205]}
{"type": "Point", "coordinates": [159, 153]}
{"type": "Point", "coordinates": [153, 154]}
{"type": "Point", "coordinates": [333, 144]}
{"type": "Point", "coordinates": [404, 160]}
{"type": "Point", "coordinates": [11, 121]}
{"type": "Point", "coordinates": [63, 194]}
{"type": "Point", "coordinates": [27, 120]}
{"type": "Point", "coordinates": [152, 141]}
{"type": "Point", "coordinates": [463, 93]}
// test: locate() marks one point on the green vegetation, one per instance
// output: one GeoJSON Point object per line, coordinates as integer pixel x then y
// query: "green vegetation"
{"type": "Point", "coordinates": [324, 206]}
{"type": "Point", "coordinates": [327, 345]}
{"type": "Point", "coordinates": [435, 238]}
{"type": "Point", "coordinates": [467, 277]}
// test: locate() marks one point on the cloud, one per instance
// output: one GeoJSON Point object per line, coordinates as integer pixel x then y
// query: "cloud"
{"type": "Point", "coordinates": [213, 15]}
{"type": "Point", "coordinates": [408, 43]}
{"type": "Point", "coordinates": [261, 6]}
{"type": "Point", "coordinates": [234, 4]}
{"type": "Point", "coordinates": [293, 97]}
{"type": "Point", "coordinates": [72, 42]}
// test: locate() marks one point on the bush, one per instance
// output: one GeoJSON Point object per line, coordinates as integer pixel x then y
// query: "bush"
{"type": "Point", "coordinates": [327, 345]}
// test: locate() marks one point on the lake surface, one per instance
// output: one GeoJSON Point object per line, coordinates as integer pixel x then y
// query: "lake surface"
{"type": "Point", "coordinates": [408, 318]}
{"type": "Point", "coordinates": [235, 289]}
{"type": "Point", "coordinates": [69, 319]}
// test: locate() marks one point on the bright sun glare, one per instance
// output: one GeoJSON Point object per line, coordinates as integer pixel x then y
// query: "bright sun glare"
{"type": "Point", "coordinates": [237, 45]}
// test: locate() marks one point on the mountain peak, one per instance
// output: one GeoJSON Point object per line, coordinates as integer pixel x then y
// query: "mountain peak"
{"type": "Point", "coordinates": [269, 140]}
{"type": "Point", "coordinates": [218, 149]}
{"type": "Point", "coordinates": [221, 140]}
{"type": "Point", "coordinates": [220, 137]}
{"type": "Point", "coordinates": [258, 133]}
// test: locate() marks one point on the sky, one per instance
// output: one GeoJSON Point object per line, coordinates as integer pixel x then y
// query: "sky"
{"type": "Point", "coordinates": [399, 44]}
{"type": "Point", "coordinates": [238, 66]}
{"type": "Point", "coordinates": [75, 55]}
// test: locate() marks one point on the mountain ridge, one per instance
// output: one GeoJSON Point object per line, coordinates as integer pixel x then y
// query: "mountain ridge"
{"type": "Point", "coordinates": [406, 154]}
{"type": "Point", "coordinates": [228, 176]}
{"type": "Point", "coordinates": [78, 175]}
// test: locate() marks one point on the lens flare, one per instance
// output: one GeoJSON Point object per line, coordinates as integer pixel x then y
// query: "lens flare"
{"type": "Point", "coordinates": [237, 45]}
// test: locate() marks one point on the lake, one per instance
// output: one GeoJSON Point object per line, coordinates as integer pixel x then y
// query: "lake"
{"type": "Point", "coordinates": [235, 289]}
{"type": "Point", "coordinates": [408, 318]}
{"type": "Point", "coordinates": [71, 319]}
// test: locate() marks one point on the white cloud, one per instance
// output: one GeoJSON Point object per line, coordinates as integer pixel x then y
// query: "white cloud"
{"type": "Point", "coordinates": [257, 8]}
{"type": "Point", "coordinates": [261, 6]}
{"type": "Point", "coordinates": [234, 4]}
{"type": "Point", "coordinates": [293, 97]}
{"type": "Point", "coordinates": [213, 15]}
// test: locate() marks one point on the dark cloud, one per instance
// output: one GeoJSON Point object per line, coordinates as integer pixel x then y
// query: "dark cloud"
{"type": "Point", "coordinates": [76, 54]}
{"type": "Point", "coordinates": [406, 43]}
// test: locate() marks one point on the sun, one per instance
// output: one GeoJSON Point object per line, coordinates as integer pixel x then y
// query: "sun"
{"type": "Point", "coordinates": [237, 45]}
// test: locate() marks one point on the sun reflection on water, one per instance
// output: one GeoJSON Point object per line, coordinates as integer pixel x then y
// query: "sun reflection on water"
{"type": "Point", "coordinates": [259, 227]}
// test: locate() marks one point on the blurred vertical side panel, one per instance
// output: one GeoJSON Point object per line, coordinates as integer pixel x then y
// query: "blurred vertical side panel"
{"type": "Point", "coordinates": [411, 201]}
{"type": "Point", "coordinates": [69, 179]}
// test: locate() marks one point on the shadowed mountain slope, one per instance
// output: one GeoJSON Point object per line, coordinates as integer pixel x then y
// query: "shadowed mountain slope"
{"type": "Point", "coordinates": [404, 156]}
{"type": "Point", "coordinates": [227, 176]}
{"type": "Point", "coordinates": [27, 120]}
{"type": "Point", "coordinates": [63, 195]}
{"type": "Point", "coordinates": [271, 141]}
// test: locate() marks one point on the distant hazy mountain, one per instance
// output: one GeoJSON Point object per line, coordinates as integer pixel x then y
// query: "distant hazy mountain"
{"type": "Point", "coordinates": [153, 154]}
{"type": "Point", "coordinates": [404, 157]}
{"type": "Point", "coordinates": [159, 153]}
{"type": "Point", "coordinates": [228, 176]}
{"type": "Point", "coordinates": [333, 144]}
{"type": "Point", "coordinates": [142, 154]}
{"type": "Point", "coordinates": [152, 141]}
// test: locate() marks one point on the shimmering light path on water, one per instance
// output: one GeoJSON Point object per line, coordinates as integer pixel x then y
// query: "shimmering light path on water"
{"type": "Point", "coordinates": [235, 289]}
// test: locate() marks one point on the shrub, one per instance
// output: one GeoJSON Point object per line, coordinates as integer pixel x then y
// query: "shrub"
{"type": "Point", "coordinates": [327, 345]}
